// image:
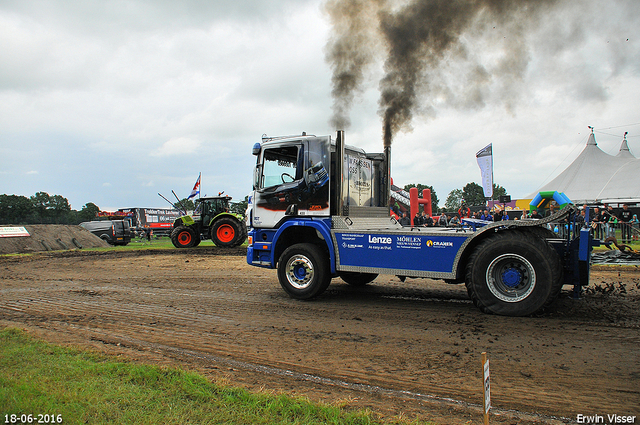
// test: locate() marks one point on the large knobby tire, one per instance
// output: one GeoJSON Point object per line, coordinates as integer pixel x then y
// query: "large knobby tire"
{"type": "Point", "coordinates": [513, 274]}
{"type": "Point", "coordinates": [357, 279]}
{"type": "Point", "coordinates": [228, 232]}
{"type": "Point", "coordinates": [303, 271]}
{"type": "Point", "coordinates": [184, 237]}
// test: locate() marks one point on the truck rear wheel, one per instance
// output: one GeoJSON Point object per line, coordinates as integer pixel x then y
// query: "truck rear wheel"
{"type": "Point", "coordinates": [303, 271]}
{"type": "Point", "coordinates": [228, 232]}
{"type": "Point", "coordinates": [184, 237]}
{"type": "Point", "coordinates": [513, 274]}
{"type": "Point", "coordinates": [357, 279]}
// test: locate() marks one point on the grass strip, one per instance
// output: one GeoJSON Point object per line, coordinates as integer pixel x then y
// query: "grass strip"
{"type": "Point", "coordinates": [39, 378]}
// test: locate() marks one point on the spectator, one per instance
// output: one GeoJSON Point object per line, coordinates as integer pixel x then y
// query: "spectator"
{"type": "Point", "coordinates": [580, 219]}
{"type": "Point", "coordinates": [552, 210]}
{"type": "Point", "coordinates": [613, 225]}
{"type": "Point", "coordinates": [625, 217]}
{"type": "Point", "coordinates": [596, 224]}
{"type": "Point", "coordinates": [535, 214]}
{"type": "Point", "coordinates": [427, 221]}
{"type": "Point", "coordinates": [464, 211]}
{"type": "Point", "coordinates": [634, 224]}
{"type": "Point", "coordinates": [606, 220]}
{"type": "Point", "coordinates": [417, 220]}
{"type": "Point", "coordinates": [442, 221]}
{"type": "Point", "coordinates": [455, 221]}
{"type": "Point", "coordinates": [405, 221]}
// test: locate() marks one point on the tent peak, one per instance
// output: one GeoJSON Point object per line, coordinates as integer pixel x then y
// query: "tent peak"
{"type": "Point", "coordinates": [624, 151]}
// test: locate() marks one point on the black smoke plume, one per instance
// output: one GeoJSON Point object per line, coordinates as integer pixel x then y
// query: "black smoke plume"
{"type": "Point", "coordinates": [351, 48]}
{"type": "Point", "coordinates": [427, 58]}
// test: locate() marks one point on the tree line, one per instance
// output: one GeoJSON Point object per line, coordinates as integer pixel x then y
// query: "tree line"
{"type": "Point", "coordinates": [43, 208]}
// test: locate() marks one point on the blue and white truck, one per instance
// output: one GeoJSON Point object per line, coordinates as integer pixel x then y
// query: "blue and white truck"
{"type": "Point", "coordinates": [321, 210]}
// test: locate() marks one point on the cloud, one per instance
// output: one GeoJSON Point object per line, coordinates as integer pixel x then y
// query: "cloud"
{"type": "Point", "coordinates": [169, 89]}
{"type": "Point", "coordinates": [178, 146]}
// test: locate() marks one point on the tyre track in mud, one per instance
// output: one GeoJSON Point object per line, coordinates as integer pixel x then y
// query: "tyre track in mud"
{"type": "Point", "coordinates": [416, 337]}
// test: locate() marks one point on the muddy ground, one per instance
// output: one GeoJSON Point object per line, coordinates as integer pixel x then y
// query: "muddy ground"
{"type": "Point", "coordinates": [408, 350]}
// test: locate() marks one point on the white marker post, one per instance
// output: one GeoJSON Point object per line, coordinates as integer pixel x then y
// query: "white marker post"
{"type": "Point", "coordinates": [486, 387]}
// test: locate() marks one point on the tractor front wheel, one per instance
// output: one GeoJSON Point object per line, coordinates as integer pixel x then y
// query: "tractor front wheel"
{"type": "Point", "coordinates": [184, 237]}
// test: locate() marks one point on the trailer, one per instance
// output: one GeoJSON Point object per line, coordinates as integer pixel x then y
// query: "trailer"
{"type": "Point", "coordinates": [158, 220]}
{"type": "Point", "coordinates": [340, 226]}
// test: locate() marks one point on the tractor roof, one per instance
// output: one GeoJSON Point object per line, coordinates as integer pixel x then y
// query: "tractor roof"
{"type": "Point", "coordinates": [204, 198]}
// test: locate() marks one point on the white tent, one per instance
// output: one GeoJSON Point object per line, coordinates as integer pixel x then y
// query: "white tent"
{"type": "Point", "coordinates": [595, 176]}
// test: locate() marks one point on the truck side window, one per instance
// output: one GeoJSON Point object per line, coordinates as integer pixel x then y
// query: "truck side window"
{"type": "Point", "coordinates": [280, 166]}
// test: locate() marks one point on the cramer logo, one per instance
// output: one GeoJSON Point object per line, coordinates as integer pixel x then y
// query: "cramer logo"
{"type": "Point", "coordinates": [437, 244]}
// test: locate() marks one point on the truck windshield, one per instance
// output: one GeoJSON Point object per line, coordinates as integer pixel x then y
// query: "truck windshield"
{"type": "Point", "coordinates": [280, 165]}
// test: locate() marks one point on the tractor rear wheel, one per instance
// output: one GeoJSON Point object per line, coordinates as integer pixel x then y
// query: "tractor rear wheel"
{"type": "Point", "coordinates": [228, 232]}
{"type": "Point", "coordinates": [184, 237]}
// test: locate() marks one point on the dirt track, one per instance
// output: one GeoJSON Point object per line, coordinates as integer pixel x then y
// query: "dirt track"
{"type": "Point", "coordinates": [410, 349]}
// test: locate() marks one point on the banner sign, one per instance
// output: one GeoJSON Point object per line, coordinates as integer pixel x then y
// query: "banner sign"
{"type": "Point", "coordinates": [485, 162]}
{"type": "Point", "coordinates": [10, 232]}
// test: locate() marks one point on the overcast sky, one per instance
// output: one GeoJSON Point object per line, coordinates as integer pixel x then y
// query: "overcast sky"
{"type": "Point", "coordinates": [111, 102]}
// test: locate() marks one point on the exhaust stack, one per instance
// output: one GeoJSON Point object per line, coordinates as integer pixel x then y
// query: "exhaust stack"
{"type": "Point", "coordinates": [386, 188]}
{"type": "Point", "coordinates": [340, 208]}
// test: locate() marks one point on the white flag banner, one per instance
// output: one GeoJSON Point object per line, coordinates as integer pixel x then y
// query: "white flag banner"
{"type": "Point", "coordinates": [485, 162]}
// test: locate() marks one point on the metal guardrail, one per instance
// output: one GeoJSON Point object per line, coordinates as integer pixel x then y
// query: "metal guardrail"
{"type": "Point", "coordinates": [623, 232]}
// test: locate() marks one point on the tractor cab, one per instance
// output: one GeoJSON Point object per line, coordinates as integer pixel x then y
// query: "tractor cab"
{"type": "Point", "coordinates": [209, 207]}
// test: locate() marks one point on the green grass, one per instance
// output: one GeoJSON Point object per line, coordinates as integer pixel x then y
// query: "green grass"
{"type": "Point", "coordinates": [85, 387]}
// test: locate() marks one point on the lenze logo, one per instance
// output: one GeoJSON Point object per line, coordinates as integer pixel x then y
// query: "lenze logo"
{"type": "Point", "coordinates": [439, 244]}
{"type": "Point", "coordinates": [380, 239]}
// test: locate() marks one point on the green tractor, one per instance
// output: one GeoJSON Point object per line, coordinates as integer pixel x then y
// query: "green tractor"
{"type": "Point", "coordinates": [211, 220]}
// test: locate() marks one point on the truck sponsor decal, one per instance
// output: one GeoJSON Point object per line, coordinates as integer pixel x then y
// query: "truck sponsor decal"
{"type": "Point", "coordinates": [410, 252]}
{"type": "Point", "coordinates": [439, 244]}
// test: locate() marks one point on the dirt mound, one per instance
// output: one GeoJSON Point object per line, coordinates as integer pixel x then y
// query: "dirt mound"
{"type": "Point", "coordinates": [50, 237]}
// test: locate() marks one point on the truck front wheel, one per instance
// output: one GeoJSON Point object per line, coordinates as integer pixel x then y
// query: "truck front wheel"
{"type": "Point", "coordinates": [513, 274]}
{"type": "Point", "coordinates": [184, 237]}
{"type": "Point", "coordinates": [303, 271]}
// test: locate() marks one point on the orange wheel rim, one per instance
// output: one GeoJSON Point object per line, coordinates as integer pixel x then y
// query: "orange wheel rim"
{"type": "Point", "coordinates": [225, 233]}
{"type": "Point", "coordinates": [184, 238]}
